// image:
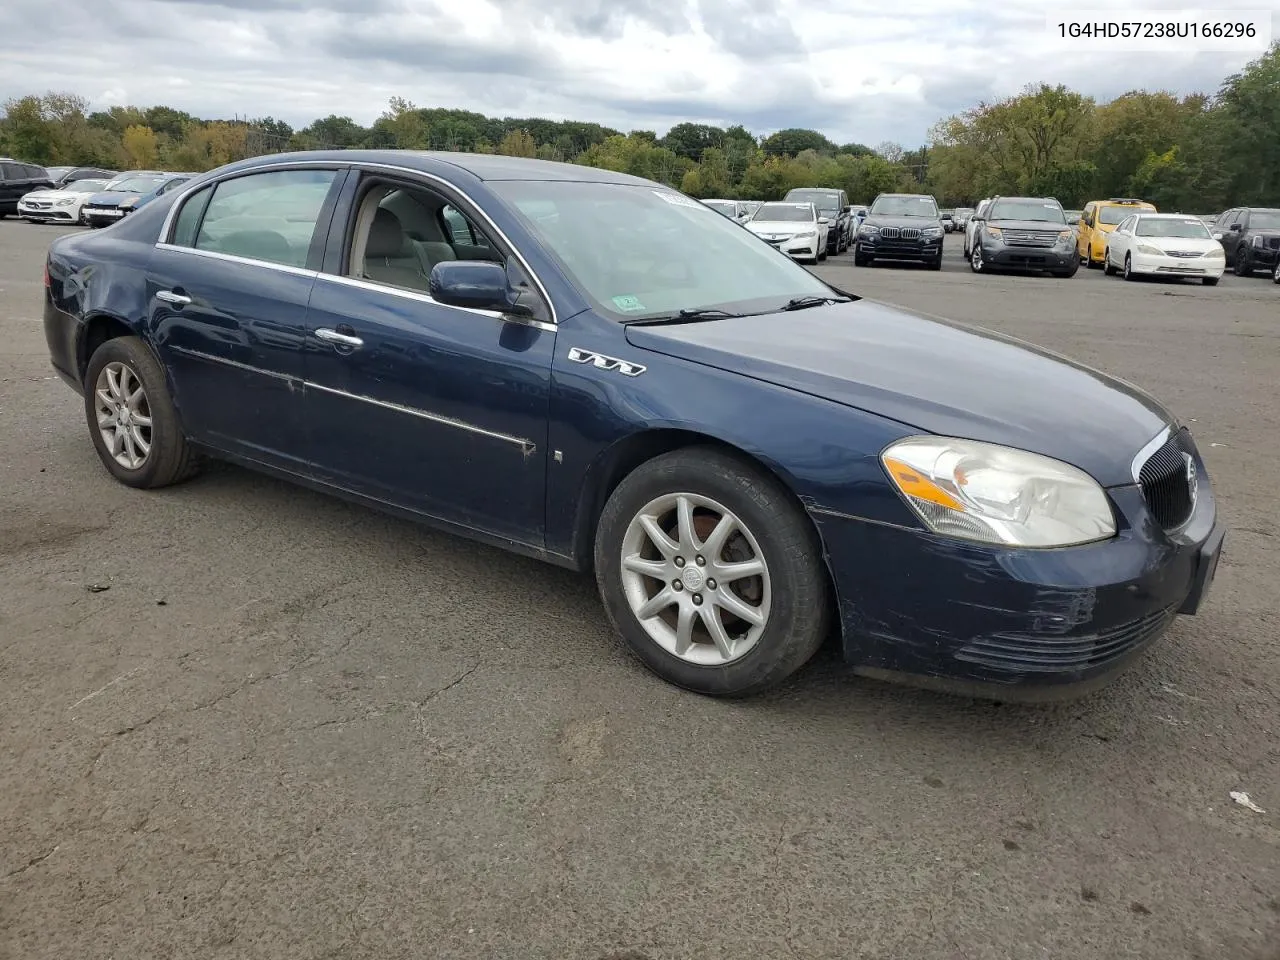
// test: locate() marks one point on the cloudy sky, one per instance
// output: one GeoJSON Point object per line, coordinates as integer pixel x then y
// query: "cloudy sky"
{"type": "Point", "coordinates": [854, 69]}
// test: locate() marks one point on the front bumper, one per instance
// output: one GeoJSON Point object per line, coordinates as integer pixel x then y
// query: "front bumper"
{"type": "Point", "coordinates": [1013, 257]}
{"type": "Point", "coordinates": [53, 214]}
{"type": "Point", "coordinates": [1146, 263]}
{"type": "Point", "coordinates": [1266, 256]}
{"type": "Point", "coordinates": [1016, 623]}
{"type": "Point", "coordinates": [101, 214]}
{"type": "Point", "coordinates": [924, 250]}
{"type": "Point", "coordinates": [802, 248]}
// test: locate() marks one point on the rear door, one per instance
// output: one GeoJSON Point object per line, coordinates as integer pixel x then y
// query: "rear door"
{"type": "Point", "coordinates": [228, 288]}
{"type": "Point", "coordinates": [11, 180]}
{"type": "Point", "coordinates": [434, 408]}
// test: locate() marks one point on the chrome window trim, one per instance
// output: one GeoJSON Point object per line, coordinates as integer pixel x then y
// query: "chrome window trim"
{"type": "Point", "coordinates": [526, 446]}
{"type": "Point", "coordinates": [197, 184]}
{"type": "Point", "coordinates": [1143, 455]}
{"type": "Point", "coordinates": [233, 258]}
{"type": "Point", "coordinates": [422, 297]}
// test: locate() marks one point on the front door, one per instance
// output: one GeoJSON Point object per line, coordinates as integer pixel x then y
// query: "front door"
{"type": "Point", "coordinates": [437, 409]}
{"type": "Point", "coordinates": [228, 297]}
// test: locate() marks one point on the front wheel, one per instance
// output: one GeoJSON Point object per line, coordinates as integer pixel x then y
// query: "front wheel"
{"type": "Point", "coordinates": [1128, 268]}
{"type": "Point", "coordinates": [976, 263]}
{"type": "Point", "coordinates": [858, 259]}
{"type": "Point", "coordinates": [1276, 277]}
{"type": "Point", "coordinates": [711, 573]}
{"type": "Point", "coordinates": [131, 417]}
{"type": "Point", "coordinates": [1242, 266]}
{"type": "Point", "coordinates": [1213, 281]}
{"type": "Point", "coordinates": [1107, 268]}
{"type": "Point", "coordinates": [936, 264]}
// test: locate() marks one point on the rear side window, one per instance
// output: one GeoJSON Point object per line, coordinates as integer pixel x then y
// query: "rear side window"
{"type": "Point", "coordinates": [262, 216]}
{"type": "Point", "coordinates": [11, 171]}
{"type": "Point", "coordinates": [184, 231]}
{"type": "Point", "coordinates": [37, 173]}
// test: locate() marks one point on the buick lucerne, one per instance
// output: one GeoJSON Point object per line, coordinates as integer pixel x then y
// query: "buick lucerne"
{"type": "Point", "coordinates": [596, 370]}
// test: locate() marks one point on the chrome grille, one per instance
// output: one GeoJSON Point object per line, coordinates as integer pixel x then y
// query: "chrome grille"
{"type": "Point", "coordinates": [900, 233]}
{"type": "Point", "coordinates": [1030, 238]}
{"type": "Point", "coordinates": [1168, 481]}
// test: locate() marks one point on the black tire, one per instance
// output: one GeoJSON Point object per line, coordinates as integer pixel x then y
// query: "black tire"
{"type": "Point", "coordinates": [1213, 281]}
{"type": "Point", "coordinates": [800, 615]}
{"type": "Point", "coordinates": [977, 263]}
{"type": "Point", "coordinates": [1276, 276]}
{"type": "Point", "coordinates": [1068, 273]}
{"type": "Point", "coordinates": [1107, 268]}
{"type": "Point", "coordinates": [936, 264]}
{"type": "Point", "coordinates": [1242, 266]}
{"type": "Point", "coordinates": [1128, 268]}
{"type": "Point", "coordinates": [858, 259]}
{"type": "Point", "coordinates": [170, 459]}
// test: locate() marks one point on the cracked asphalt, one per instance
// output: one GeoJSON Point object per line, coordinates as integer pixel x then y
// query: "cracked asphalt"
{"type": "Point", "coordinates": [291, 727]}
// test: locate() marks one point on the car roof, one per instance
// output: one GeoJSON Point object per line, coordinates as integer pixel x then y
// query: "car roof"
{"type": "Point", "coordinates": [482, 166]}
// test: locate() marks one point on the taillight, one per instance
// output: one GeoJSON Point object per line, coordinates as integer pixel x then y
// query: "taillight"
{"type": "Point", "coordinates": [47, 282]}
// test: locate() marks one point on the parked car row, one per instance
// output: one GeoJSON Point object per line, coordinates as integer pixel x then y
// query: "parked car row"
{"type": "Point", "coordinates": [17, 179]}
{"type": "Point", "coordinates": [84, 195]}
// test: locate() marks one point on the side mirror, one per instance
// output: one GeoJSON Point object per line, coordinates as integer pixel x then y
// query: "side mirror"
{"type": "Point", "coordinates": [848, 209]}
{"type": "Point", "coordinates": [1217, 236]}
{"type": "Point", "coordinates": [824, 220]}
{"type": "Point", "coordinates": [476, 285]}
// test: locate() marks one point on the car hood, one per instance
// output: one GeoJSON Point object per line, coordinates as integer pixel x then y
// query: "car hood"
{"type": "Point", "coordinates": [50, 195]}
{"type": "Point", "coordinates": [110, 198]}
{"type": "Point", "coordinates": [921, 222]}
{"type": "Point", "coordinates": [1196, 244]}
{"type": "Point", "coordinates": [931, 375]}
{"type": "Point", "coordinates": [779, 226]}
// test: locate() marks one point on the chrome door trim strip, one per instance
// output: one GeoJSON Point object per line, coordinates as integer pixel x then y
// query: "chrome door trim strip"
{"type": "Point", "coordinates": [527, 446]}
{"type": "Point", "coordinates": [199, 183]}
{"type": "Point", "coordinates": [228, 362]}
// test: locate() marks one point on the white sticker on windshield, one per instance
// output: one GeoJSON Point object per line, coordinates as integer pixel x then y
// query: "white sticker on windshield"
{"type": "Point", "coordinates": [676, 199]}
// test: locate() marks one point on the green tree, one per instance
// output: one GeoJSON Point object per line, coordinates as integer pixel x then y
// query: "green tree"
{"type": "Point", "coordinates": [518, 143]}
{"type": "Point", "coordinates": [141, 146]}
{"type": "Point", "coordinates": [787, 143]}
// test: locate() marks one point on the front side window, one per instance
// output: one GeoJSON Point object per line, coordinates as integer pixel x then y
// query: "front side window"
{"type": "Point", "coordinates": [642, 251]}
{"type": "Point", "coordinates": [262, 216]}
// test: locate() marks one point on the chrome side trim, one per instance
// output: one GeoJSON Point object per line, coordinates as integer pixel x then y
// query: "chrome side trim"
{"type": "Point", "coordinates": [421, 297]}
{"type": "Point", "coordinates": [247, 368]}
{"type": "Point", "coordinates": [285, 164]}
{"type": "Point", "coordinates": [1143, 455]}
{"type": "Point", "coordinates": [232, 258]}
{"type": "Point", "coordinates": [526, 446]}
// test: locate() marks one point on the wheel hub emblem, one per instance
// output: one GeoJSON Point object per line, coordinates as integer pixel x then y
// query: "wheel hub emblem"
{"type": "Point", "coordinates": [692, 578]}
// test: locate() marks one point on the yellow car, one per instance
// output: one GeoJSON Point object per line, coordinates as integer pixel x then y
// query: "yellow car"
{"type": "Point", "coordinates": [1099, 218]}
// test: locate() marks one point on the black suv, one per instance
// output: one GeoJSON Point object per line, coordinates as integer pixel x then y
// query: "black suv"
{"type": "Point", "coordinates": [900, 226]}
{"type": "Point", "coordinates": [61, 176]}
{"type": "Point", "coordinates": [1024, 233]}
{"type": "Point", "coordinates": [17, 179]}
{"type": "Point", "coordinates": [1251, 238]}
{"type": "Point", "coordinates": [832, 204]}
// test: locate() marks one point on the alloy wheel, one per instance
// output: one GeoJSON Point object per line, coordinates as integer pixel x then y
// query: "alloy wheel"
{"type": "Point", "coordinates": [696, 579]}
{"type": "Point", "coordinates": [975, 260]}
{"type": "Point", "coordinates": [124, 415]}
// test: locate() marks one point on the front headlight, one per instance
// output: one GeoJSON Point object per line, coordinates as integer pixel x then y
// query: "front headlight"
{"type": "Point", "coordinates": [995, 232]}
{"type": "Point", "coordinates": [1218, 254]}
{"type": "Point", "coordinates": [806, 234]}
{"type": "Point", "coordinates": [868, 230]}
{"type": "Point", "coordinates": [931, 232]}
{"type": "Point", "coordinates": [1150, 250]}
{"type": "Point", "coordinates": [1065, 236]}
{"type": "Point", "coordinates": [65, 202]}
{"type": "Point", "coordinates": [994, 494]}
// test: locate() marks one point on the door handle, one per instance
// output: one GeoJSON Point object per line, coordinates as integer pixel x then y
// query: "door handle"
{"type": "Point", "coordinates": [171, 296]}
{"type": "Point", "coordinates": [342, 339]}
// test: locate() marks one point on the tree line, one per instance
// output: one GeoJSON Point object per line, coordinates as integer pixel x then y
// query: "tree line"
{"type": "Point", "coordinates": [1198, 153]}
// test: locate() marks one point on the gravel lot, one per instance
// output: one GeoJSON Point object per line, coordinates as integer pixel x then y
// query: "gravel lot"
{"type": "Point", "coordinates": [293, 728]}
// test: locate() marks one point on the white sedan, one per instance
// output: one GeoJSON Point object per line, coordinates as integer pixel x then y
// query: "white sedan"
{"type": "Point", "coordinates": [794, 228]}
{"type": "Point", "coordinates": [1164, 245]}
{"type": "Point", "coordinates": [58, 206]}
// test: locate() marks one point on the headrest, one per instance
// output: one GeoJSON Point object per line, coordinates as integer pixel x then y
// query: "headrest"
{"type": "Point", "coordinates": [386, 236]}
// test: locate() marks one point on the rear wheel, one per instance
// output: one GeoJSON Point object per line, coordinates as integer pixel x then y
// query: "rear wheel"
{"type": "Point", "coordinates": [1107, 268]}
{"type": "Point", "coordinates": [131, 417]}
{"type": "Point", "coordinates": [711, 573]}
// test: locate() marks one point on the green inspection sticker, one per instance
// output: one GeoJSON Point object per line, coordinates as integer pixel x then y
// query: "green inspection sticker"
{"type": "Point", "coordinates": [628, 304]}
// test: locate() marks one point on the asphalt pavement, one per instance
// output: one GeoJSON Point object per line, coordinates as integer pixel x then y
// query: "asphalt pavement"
{"type": "Point", "coordinates": [241, 719]}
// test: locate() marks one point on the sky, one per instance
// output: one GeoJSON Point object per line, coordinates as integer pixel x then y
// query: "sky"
{"type": "Point", "coordinates": [857, 70]}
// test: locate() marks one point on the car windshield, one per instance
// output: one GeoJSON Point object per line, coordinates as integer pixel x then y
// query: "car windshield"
{"type": "Point", "coordinates": [828, 204]}
{"type": "Point", "coordinates": [774, 212]}
{"type": "Point", "coordinates": [1114, 215]}
{"type": "Point", "coordinates": [905, 207]}
{"type": "Point", "coordinates": [1264, 220]}
{"type": "Point", "coordinates": [1038, 210]}
{"type": "Point", "coordinates": [134, 184]}
{"type": "Point", "coordinates": [85, 186]}
{"type": "Point", "coordinates": [644, 251]}
{"type": "Point", "coordinates": [963, 211]}
{"type": "Point", "coordinates": [1186, 228]}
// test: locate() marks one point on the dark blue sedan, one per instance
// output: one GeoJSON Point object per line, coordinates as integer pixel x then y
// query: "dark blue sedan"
{"type": "Point", "coordinates": [598, 371]}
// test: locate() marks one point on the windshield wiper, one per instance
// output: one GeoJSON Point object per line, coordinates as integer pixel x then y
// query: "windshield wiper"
{"type": "Point", "coordinates": [803, 303]}
{"type": "Point", "coordinates": [684, 316]}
